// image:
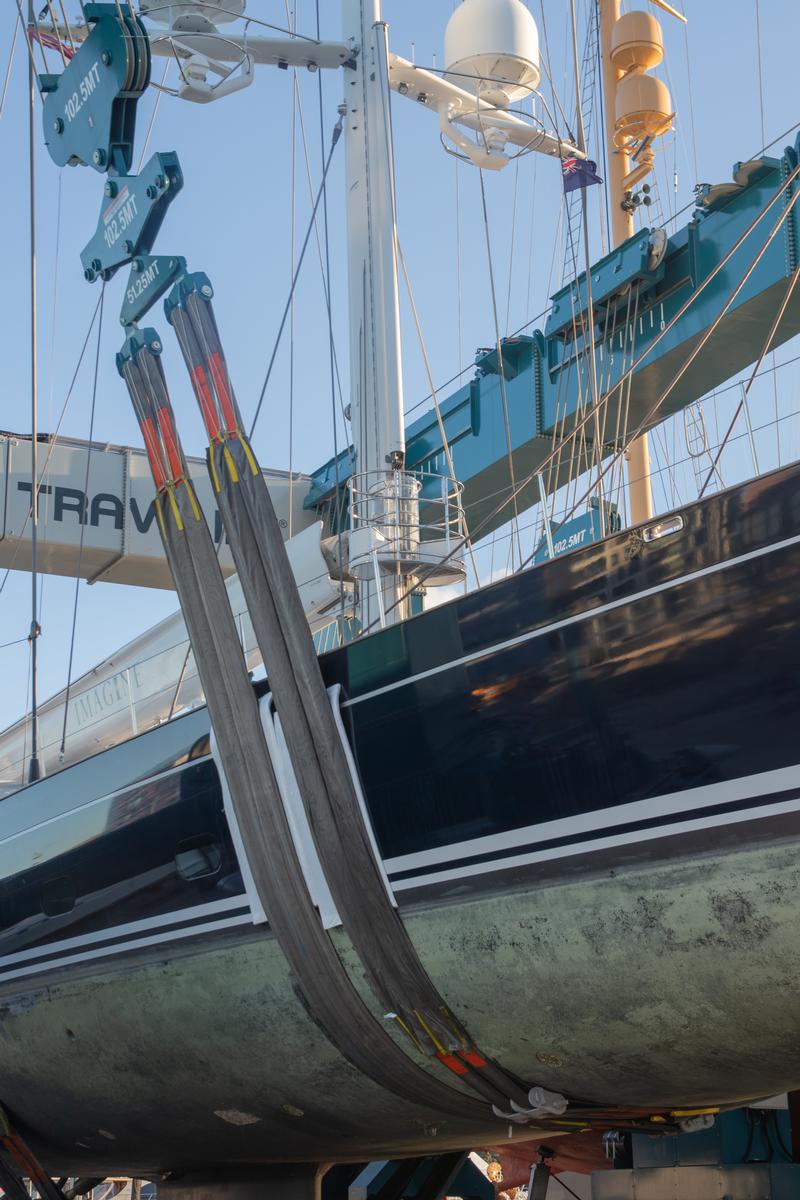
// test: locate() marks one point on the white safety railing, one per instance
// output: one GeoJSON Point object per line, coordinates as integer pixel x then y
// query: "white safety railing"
{"type": "Point", "coordinates": [408, 523]}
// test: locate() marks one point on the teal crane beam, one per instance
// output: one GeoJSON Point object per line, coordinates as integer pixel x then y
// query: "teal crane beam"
{"type": "Point", "coordinates": [655, 299]}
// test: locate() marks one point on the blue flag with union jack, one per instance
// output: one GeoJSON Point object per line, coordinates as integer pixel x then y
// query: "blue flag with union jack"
{"type": "Point", "coordinates": [578, 173]}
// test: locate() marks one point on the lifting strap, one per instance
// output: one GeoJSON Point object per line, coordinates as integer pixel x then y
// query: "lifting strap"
{"type": "Point", "coordinates": [328, 992]}
{"type": "Point", "coordinates": [357, 885]}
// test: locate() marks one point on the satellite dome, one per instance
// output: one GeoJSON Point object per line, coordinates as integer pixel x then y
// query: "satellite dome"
{"type": "Point", "coordinates": [491, 49]}
{"type": "Point", "coordinates": [193, 16]}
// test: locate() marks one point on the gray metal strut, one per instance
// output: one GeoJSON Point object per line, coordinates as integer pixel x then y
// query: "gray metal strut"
{"type": "Point", "coordinates": [327, 990]}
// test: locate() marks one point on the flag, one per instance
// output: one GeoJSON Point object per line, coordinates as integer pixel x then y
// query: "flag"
{"type": "Point", "coordinates": [578, 173]}
{"type": "Point", "coordinates": [51, 40]}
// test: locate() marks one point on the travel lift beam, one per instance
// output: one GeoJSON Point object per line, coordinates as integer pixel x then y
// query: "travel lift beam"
{"type": "Point", "coordinates": [661, 297]}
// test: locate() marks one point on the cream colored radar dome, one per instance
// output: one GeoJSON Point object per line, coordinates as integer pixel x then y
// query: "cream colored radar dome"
{"type": "Point", "coordinates": [637, 42]}
{"type": "Point", "coordinates": [643, 107]}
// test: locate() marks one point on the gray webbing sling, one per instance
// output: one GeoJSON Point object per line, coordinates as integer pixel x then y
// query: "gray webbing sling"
{"type": "Point", "coordinates": [375, 928]}
{"type": "Point", "coordinates": [327, 989]}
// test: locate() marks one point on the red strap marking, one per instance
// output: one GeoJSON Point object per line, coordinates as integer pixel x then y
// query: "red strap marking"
{"type": "Point", "coordinates": [220, 377]}
{"type": "Point", "coordinates": [153, 451]}
{"type": "Point", "coordinates": [452, 1063]}
{"type": "Point", "coordinates": [473, 1058]}
{"type": "Point", "coordinates": [206, 400]}
{"type": "Point", "coordinates": [171, 443]}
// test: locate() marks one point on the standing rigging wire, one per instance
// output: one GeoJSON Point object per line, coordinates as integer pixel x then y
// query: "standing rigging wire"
{"type": "Point", "coordinates": [24, 758]}
{"type": "Point", "coordinates": [51, 389]}
{"type": "Point", "coordinates": [709, 333]}
{"type": "Point", "coordinates": [53, 441]}
{"type": "Point", "coordinates": [627, 374]}
{"type": "Point", "coordinates": [763, 139]}
{"type": "Point", "coordinates": [84, 522]}
{"type": "Point", "coordinates": [500, 366]}
{"type": "Point", "coordinates": [67, 28]}
{"type": "Point", "coordinates": [459, 321]}
{"type": "Point", "coordinates": [760, 70]}
{"type": "Point", "coordinates": [153, 114]}
{"type": "Point", "coordinates": [291, 21]}
{"type": "Point", "coordinates": [337, 512]}
{"type": "Point", "coordinates": [16, 642]}
{"type": "Point", "coordinates": [746, 389]}
{"type": "Point", "coordinates": [29, 43]}
{"type": "Point", "coordinates": [439, 419]}
{"type": "Point", "coordinates": [34, 769]}
{"type": "Point", "coordinates": [605, 196]}
{"type": "Point", "coordinates": [512, 247]}
{"type": "Point", "coordinates": [9, 67]}
{"type": "Point", "coordinates": [530, 241]}
{"type": "Point", "coordinates": [589, 344]}
{"type": "Point", "coordinates": [337, 132]}
{"type": "Point", "coordinates": [64, 56]}
{"type": "Point", "coordinates": [323, 270]}
{"type": "Point", "coordinates": [692, 126]}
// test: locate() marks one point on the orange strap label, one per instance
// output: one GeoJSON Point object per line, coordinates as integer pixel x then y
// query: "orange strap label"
{"type": "Point", "coordinates": [452, 1063]}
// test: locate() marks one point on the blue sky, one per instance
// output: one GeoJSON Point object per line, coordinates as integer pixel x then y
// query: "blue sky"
{"type": "Point", "coordinates": [234, 221]}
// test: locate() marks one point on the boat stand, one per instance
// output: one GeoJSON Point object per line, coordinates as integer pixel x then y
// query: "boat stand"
{"type": "Point", "coordinates": [749, 1154]}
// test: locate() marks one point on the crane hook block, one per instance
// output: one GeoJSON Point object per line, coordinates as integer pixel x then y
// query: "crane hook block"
{"type": "Point", "coordinates": [90, 108]}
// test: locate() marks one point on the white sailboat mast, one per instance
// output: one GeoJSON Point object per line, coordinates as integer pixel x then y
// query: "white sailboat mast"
{"type": "Point", "coordinates": [376, 374]}
{"type": "Point", "coordinates": [376, 387]}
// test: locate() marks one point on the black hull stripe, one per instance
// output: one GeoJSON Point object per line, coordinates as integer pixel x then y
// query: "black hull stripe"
{"type": "Point", "coordinates": [589, 836]}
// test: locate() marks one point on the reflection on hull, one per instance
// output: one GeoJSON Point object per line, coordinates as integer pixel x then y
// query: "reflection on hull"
{"type": "Point", "coordinates": [591, 830]}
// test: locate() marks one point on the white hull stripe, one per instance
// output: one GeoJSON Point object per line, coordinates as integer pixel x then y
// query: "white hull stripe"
{"type": "Point", "coordinates": [748, 787]}
{"type": "Point", "coordinates": [119, 947]}
{"type": "Point", "coordinates": [180, 916]}
{"type": "Point", "coordinates": [597, 844]}
{"type": "Point", "coordinates": [588, 615]}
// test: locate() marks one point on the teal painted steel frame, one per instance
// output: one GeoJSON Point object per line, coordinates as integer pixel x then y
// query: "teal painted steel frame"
{"type": "Point", "coordinates": [545, 373]}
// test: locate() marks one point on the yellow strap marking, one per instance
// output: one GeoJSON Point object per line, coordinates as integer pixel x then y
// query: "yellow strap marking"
{"type": "Point", "coordinates": [409, 1032]}
{"type": "Point", "coordinates": [231, 465]}
{"type": "Point", "coordinates": [176, 512]}
{"type": "Point", "coordinates": [192, 499]}
{"type": "Point", "coordinates": [441, 1049]}
{"type": "Point", "coordinates": [251, 458]}
{"type": "Point", "coordinates": [213, 468]}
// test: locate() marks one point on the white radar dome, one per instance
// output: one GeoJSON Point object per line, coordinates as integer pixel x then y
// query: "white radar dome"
{"type": "Point", "coordinates": [491, 49]}
{"type": "Point", "coordinates": [193, 16]}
